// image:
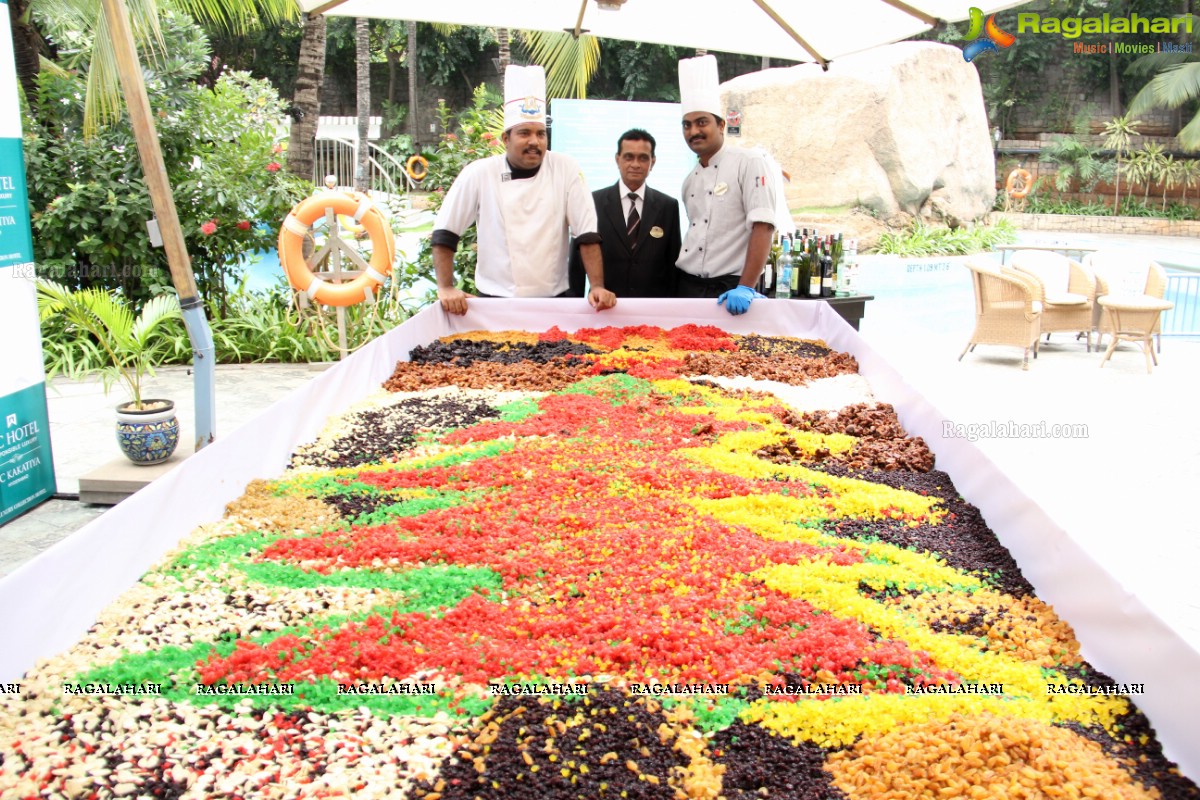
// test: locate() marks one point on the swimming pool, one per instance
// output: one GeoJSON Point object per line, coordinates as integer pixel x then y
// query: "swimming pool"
{"type": "Point", "coordinates": [936, 294]}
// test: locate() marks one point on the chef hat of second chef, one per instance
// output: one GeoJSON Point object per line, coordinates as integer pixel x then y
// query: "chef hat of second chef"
{"type": "Point", "coordinates": [524, 95]}
{"type": "Point", "coordinates": [699, 86]}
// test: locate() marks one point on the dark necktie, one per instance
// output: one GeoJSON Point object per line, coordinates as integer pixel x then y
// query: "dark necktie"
{"type": "Point", "coordinates": [634, 220]}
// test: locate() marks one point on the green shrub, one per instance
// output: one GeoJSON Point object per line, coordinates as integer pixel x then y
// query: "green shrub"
{"type": "Point", "coordinates": [90, 202]}
{"type": "Point", "coordinates": [920, 240]}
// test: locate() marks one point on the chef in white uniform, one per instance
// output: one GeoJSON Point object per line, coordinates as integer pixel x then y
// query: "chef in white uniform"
{"type": "Point", "coordinates": [527, 204]}
{"type": "Point", "coordinates": [730, 196]}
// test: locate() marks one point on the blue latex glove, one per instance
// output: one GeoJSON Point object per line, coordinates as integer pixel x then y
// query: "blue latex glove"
{"type": "Point", "coordinates": [737, 300]}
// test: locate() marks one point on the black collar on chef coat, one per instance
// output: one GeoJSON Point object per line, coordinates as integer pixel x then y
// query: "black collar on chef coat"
{"type": "Point", "coordinates": [521, 174]}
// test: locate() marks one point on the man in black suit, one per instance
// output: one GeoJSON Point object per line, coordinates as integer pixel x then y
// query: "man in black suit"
{"type": "Point", "coordinates": [639, 234]}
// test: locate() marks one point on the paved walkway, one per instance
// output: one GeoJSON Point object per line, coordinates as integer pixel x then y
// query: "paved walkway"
{"type": "Point", "coordinates": [83, 438]}
{"type": "Point", "coordinates": [1124, 488]}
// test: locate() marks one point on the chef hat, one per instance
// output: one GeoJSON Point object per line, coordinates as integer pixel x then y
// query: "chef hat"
{"type": "Point", "coordinates": [524, 95]}
{"type": "Point", "coordinates": [699, 86]}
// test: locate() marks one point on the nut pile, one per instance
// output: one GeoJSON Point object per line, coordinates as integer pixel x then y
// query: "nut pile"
{"type": "Point", "coordinates": [709, 532]}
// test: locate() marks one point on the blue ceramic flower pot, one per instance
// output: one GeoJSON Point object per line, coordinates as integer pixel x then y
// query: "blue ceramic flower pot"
{"type": "Point", "coordinates": [148, 436]}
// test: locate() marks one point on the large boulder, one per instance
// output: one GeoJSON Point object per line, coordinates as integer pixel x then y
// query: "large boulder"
{"type": "Point", "coordinates": [900, 128]}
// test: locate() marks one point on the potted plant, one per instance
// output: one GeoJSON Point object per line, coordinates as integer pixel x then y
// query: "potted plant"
{"type": "Point", "coordinates": [124, 350]}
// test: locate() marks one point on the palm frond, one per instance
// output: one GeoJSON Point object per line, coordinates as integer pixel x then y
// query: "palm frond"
{"type": "Point", "coordinates": [238, 18]}
{"type": "Point", "coordinates": [104, 99]}
{"type": "Point", "coordinates": [154, 313]}
{"type": "Point", "coordinates": [1189, 137]}
{"type": "Point", "coordinates": [570, 63]}
{"type": "Point", "coordinates": [1171, 88]}
{"type": "Point", "coordinates": [1154, 62]}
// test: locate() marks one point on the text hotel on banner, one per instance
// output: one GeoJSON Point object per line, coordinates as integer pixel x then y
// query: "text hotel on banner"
{"type": "Point", "coordinates": [26, 466]}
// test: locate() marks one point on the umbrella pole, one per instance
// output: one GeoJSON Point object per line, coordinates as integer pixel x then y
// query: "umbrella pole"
{"type": "Point", "coordinates": [194, 319]}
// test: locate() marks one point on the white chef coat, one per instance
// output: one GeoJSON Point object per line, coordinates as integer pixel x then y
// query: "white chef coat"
{"type": "Point", "coordinates": [525, 226]}
{"type": "Point", "coordinates": [723, 201]}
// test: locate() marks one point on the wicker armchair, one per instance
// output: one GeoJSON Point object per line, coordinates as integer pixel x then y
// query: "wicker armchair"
{"type": "Point", "coordinates": [1067, 291]}
{"type": "Point", "coordinates": [1124, 272]}
{"type": "Point", "coordinates": [1007, 309]}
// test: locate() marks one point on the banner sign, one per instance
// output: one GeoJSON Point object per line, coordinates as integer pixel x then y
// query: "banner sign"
{"type": "Point", "coordinates": [26, 465]}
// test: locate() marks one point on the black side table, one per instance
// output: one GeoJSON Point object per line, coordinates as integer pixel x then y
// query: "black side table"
{"type": "Point", "coordinates": [851, 308]}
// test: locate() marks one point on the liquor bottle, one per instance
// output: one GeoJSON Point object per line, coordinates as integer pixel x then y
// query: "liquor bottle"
{"type": "Point", "coordinates": [828, 265]}
{"type": "Point", "coordinates": [801, 272]}
{"type": "Point", "coordinates": [766, 281]}
{"type": "Point", "coordinates": [816, 261]}
{"type": "Point", "coordinates": [826, 274]}
{"type": "Point", "coordinates": [783, 286]}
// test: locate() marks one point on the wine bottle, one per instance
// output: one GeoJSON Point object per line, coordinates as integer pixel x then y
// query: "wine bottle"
{"type": "Point", "coordinates": [814, 282]}
{"type": "Point", "coordinates": [827, 267]}
{"type": "Point", "coordinates": [783, 285]}
{"type": "Point", "coordinates": [827, 274]}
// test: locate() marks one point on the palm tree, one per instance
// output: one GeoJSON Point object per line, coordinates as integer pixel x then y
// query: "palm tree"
{"type": "Point", "coordinates": [362, 58]}
{"type": "Point", "coordinates": [103, 104]}
{"type": "Point", "coordinates": [1176, 84]}
{"type": "Point", "coordinates": [1170, 177]}
{"type": "Point", "coordinates": [1189, 175]}
{"type": "Point", "coordinates": [411, 58]}
{"type": "Point", "coordinates": [27, 46]}
{"type": "Point", "coordinates": [1153, 161]}
{"type": "Point", "coordinates": [306, 102]}
{"type": "Point", "coordinates": [1118, 133]}
{"type": "Point", "coordinates": [124, 345]}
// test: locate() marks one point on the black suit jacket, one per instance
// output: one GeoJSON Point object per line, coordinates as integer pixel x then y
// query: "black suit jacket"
{"type": "Point", "coordinates": [648, 271]}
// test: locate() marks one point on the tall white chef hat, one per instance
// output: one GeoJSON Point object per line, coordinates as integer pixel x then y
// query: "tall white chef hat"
{"type": "Point", "coordinates": [699, 86]}
{"type": "Point", "coordinates": [524, 95]}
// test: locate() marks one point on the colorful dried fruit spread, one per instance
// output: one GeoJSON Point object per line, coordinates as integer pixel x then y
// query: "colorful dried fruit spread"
{"type": "Point", "coordinates": [617, 563]}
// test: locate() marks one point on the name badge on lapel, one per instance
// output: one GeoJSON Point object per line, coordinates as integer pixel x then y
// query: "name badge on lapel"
{"type": "Point", "coordinates": [656, 232]}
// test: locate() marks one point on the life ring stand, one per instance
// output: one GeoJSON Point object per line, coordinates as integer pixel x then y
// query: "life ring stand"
{"type": "Point", "coordinates": [1019, 184]}
{"type": "Point", "coordinates": [412, 173]}
{"type": "Point", "coordinates": [296, 228]}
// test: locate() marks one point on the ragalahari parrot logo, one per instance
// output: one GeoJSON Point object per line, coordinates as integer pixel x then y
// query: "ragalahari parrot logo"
{"type": "Point", "coordinates": [986, 36]}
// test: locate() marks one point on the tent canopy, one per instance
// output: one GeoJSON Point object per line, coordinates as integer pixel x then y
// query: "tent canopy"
{"type": "Point", "coordinates": [798, 30]}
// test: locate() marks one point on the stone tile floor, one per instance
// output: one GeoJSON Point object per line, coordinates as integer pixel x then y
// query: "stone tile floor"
{"type": "Point", "coordinates": [82, 439]}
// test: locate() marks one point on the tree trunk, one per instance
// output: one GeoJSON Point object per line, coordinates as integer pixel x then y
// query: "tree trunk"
{"type": "Point", "coordinates": [411, 56]}
{"type": "Point", "coordinates": [390, 121]}
{"type": "Point", "coordinates": [306, 103]}
{"type": "Point", "coordinates": [1114, 83]}
{"type": "Point", "coordinates": [1117, 187]}
{"type": "Point", "coordinates": [27, 44]}
{"type": "Point", "coordinates": [362, 57]}
{"type": "Point", "coordinates": [504, 39]}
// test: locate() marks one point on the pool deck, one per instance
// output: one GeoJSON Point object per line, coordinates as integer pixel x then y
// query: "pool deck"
{"type": "Point", "coordinates": [1124, 489]}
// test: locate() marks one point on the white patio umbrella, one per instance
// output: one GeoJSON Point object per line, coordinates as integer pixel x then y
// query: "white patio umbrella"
{"type": "Point", "coordinates": [799, 30]}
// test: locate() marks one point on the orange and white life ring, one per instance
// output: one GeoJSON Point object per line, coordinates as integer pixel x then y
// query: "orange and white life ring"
{"type": "Point", "coordinates": [412, 172]}
{"type": "Point", "coordinates": [1026, 183]}
{"type": "Point", "coordinates": [362, 211]}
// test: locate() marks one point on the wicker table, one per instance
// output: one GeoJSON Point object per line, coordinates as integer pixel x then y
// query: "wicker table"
{"type": "Point", "coordinates": [1133, 318]}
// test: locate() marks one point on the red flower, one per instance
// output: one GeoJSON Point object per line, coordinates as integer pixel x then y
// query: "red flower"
{"type": "Point", "coordinates": [244, 225]}
{"type": "Point", "coordinates": [273, 166]}
{"type": "Point", "coordinates": [209, 228]}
